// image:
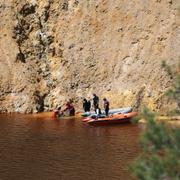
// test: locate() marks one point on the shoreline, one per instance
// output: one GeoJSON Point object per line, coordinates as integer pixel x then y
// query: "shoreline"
{"type": "Point", "coordinates": [171, 120]}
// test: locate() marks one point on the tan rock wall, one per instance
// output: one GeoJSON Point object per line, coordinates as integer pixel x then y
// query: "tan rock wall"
{"type": "Point", "coordinates": [54, 50]}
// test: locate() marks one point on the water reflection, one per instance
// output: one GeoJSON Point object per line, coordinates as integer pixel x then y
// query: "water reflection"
{"type": "Point", "coordinates": [66, 149]}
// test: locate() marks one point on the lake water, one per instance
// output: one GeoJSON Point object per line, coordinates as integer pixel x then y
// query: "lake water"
{"type": "Point", "coordinates": [40, 148]}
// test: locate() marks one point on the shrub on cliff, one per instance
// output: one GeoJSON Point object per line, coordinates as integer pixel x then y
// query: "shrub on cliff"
{"type": "Point", "coordinates": [174, 92]}
{"type": "Point", "coordinates": [160, 158]}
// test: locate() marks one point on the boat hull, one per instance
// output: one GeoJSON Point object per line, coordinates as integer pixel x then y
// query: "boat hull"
{"type": "Point", "coordinates": [114, 119]}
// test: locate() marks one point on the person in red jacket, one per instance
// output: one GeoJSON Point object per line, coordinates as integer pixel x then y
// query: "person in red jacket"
{"type": "Point", "coordinates": [69, 108]}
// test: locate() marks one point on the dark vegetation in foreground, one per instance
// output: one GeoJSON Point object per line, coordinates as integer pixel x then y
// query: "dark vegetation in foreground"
{"type": "Point", "coordinates": [160, 158]}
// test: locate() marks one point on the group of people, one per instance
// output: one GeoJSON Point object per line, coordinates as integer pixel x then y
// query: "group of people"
{"type": "Point", "coordinates": [87, 105]}
{"type": "Point", "coordinates": [69, 109]}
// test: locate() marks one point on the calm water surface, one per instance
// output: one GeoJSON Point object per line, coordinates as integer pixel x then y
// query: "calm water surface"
{"type": "Point", "coordinates": [36, 148]}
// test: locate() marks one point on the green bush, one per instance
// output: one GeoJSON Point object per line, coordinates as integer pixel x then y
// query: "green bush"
{"type": "Point", "coordinates": [174, 92]}
{"type": "Point", "coordinates": [160, 158]}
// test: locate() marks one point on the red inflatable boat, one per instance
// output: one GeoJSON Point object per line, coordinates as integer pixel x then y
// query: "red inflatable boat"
{"type": "Point", "coordinates": [114, 119]}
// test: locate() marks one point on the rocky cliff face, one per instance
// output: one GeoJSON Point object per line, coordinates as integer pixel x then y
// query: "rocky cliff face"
{"type": "Point", "coordinates": [53, 50]}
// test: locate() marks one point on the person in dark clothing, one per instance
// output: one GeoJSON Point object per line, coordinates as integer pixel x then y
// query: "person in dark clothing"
{"type": "Point", "coordinates": [106, 106]}
{"type": "Point", "coordinates": [88, 105]}
{"type": "Point", "coordinates": [85, 105]}
{"type": "Point", "coordinates": [95, 102]}
{"type": "Point", "coordinates": [72, 111]}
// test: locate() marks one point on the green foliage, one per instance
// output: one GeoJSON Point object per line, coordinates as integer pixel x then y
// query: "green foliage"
{"type": "Point", "coordinates": [160, 158]}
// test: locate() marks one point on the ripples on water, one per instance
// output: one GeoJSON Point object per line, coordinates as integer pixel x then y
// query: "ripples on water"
{"type": "Point", "coordinates": [41, 148]}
